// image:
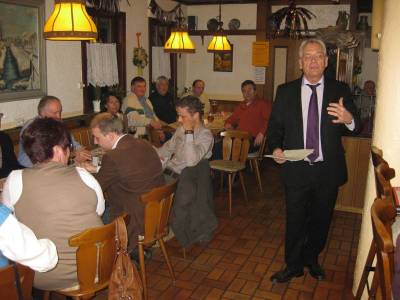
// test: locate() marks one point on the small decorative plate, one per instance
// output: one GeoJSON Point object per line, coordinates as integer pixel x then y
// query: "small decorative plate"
{"type": "Point", "coordinates": [234, 24]}
{"type": "Point", "coordinates": [212, 24]}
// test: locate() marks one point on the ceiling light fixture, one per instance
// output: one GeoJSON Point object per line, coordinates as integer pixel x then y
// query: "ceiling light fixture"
{"type": "Point", "coordinates": [219, 42]}
{"type": "Point", "coordinates": [179, 40]}
{"type": "Point", "coordinates": [70, 22]}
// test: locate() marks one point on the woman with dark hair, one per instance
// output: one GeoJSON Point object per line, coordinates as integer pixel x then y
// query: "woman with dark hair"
{"type": "Point", "coordinates": [8, 160]}
{"type": "Point", "coordinates": [55, 200]}
{"type": "Point", "coordinates": [111, 104]}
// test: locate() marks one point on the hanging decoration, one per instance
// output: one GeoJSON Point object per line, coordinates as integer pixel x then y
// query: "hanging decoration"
{"type": "Point", "coordinates": [163, 14]}
{"type": "Point", "coordinates": [140, 58]}
{"type": "Point", "coordinates": [106, 5]}
{"type": "Point", "coordinates": [295, 21]}
{"type": "Point", "coordinates": [219, 42]}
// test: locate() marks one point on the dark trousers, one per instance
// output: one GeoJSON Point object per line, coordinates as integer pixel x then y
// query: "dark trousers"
{"type": "Point", "coordinates": [309, 210]}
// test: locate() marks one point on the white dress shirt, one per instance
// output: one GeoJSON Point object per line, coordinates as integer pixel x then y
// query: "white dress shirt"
{"type": "Point", "coordinates": [305, 102]}
{"type": "Point", "coordinates": [18, 243]}
{"type": "Point", "coordinates": [13, 188]}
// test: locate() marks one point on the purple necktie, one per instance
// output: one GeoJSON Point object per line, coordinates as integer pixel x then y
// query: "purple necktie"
{"type": "Point", "coordinates": [312, 138]}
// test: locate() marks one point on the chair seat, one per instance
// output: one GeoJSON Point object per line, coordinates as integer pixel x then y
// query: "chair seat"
{"type": "Point", "coordinates": [227, 165]}
{"type": "Point", "coordinates": [253, 155]}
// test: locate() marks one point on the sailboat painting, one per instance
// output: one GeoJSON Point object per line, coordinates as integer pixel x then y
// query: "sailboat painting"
{"type": "Point", "coordinates": [22, 58]}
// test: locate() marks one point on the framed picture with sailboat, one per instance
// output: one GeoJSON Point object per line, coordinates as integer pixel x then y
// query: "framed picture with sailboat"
{"type": "Point", "coordinates": [22, 51]}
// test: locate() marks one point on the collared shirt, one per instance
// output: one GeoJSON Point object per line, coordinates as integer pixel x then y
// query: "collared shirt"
{"type": "Point", "coordinates": [305, 102]}
{"type": "Point", "coordinates": [23, 158]}
{"type": "Point", "coordinates": [186, 150]}
{"type": "Point", "coordinates": [18, 243]}
{"type": "Point", "coordinates": [251, 117]}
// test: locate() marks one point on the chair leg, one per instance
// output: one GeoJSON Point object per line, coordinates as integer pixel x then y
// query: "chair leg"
{"type": "Point", "coordinates": [221, 186]}
{"type": "Point", "coordinates": [46, 295]}
{"type": "Point", "coordinates": [243, 186]}
{"type": "Point", "coordinates": [164, 251]}
{"type": "Point", "coordinates": [184, 252]}
{"type": "Point", "coordinates": [251, 165]}
{"type": "Point", "coordinates": [258, 176]}
{"type": "Point", "coordinates": [230, 193]}
{"type": "Point", "coordinates": [365, 273]}
{"type": "Point", "coordinates": [142, 269]}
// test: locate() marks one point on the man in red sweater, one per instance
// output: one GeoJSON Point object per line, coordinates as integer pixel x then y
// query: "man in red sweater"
{"type": "Point", "coordinates": [251, 115]}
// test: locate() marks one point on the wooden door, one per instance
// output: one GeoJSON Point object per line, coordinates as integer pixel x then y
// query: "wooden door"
{"type": "Point", "coordinates": [284, 64]}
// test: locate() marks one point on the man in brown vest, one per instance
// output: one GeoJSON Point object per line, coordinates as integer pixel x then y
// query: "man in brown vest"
{"type": "Point", "coordinates": [129, 168]}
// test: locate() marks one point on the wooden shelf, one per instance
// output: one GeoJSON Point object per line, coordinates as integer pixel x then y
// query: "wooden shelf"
{"type": "Point", "coordinates": [227, 32]}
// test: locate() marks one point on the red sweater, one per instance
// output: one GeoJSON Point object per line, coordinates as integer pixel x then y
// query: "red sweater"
{"type": "Point", "coordinates": [252, 118]}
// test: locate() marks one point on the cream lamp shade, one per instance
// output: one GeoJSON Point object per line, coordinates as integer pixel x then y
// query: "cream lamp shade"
{"type": "Point", "coordinates": [179, 42]}
{"type": "Point", "coordinates": [70, 22]}
{"type": "Point", "coordinates": [219, 43]}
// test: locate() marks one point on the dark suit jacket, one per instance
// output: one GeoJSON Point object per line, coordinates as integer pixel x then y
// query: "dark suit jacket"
{"type": "Point", "coordinates": [9, 161]}
{"type": "Point", "coordinates": [286, 131]}
{"type": "Point", "coordinates": [128, 171]}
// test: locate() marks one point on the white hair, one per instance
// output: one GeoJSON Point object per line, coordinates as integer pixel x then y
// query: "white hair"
{"type": "Point", "coordinates": [311, 41]}
{"type": "Point", "coordinates": [161, 78]}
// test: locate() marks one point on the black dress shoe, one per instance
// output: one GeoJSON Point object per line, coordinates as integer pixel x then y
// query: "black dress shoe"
{"type": "Point", "coordinates": [286, 275]}
{"type": "Point", "coordinates": [316, 271]}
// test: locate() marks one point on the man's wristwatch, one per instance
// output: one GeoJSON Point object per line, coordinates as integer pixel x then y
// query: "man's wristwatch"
{"type": "Point", "coordinates": [189, 132]}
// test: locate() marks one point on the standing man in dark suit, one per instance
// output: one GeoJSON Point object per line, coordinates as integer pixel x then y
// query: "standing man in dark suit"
{"type": "Point", "coordinates": [312, 112]}
{"type": "Point", "coordinates": [129, 168]}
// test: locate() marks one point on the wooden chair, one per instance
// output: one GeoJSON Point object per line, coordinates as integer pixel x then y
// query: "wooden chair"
{"type": "Point", "coordinates": [83, 136]}
{"type": "Point", "coordinates": [8, 289]}
{"type": "Point", "coordinates": [383, 214]}
{"type": "Point", "coordinates": [158, 203]}
{"type": "Point", "coordinates": [95, 258]}
{"type": "Point", "coordinates": [235, 150]}
{"type": "Point", "coordinates": [255, 159]}
{"type": "Point", "coordinates": [383, 174]}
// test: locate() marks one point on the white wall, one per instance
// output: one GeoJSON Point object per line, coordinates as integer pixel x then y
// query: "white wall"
{"type": "Point", "coordinates": [386, 134]}
{"type": "Point", "coordinates": [220, 85]}
{"type": "Point", "coordinates": [64, 68]}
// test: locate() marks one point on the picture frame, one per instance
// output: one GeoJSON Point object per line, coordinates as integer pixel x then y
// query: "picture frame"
{"type": "Point", "coordinates": [223, 62]}
{"type": "Point", "coordinates": [22, 50]}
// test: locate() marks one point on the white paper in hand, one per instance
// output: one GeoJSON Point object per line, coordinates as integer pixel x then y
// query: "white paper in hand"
{"type": "Point", "coordinates": [293, 155]}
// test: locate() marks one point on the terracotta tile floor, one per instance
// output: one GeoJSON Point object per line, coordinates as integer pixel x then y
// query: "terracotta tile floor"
{"type": "Point", "coordinates": [248, 248]}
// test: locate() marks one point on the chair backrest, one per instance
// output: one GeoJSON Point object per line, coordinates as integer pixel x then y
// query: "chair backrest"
{"type": "Point", "coordinates": [154, 136]}
{"type": "Point", "coordinates": [83, 136]}
{"type": "Point", "coordinates": [383, 175]}
{"type": "Point", "coordinates": [8, 289]}
{"type": "Point", "coordinates": [236, 145]}
{"type": "Point", "coordinates": [383, 214]}
{"type": "Point", "coordinates": [95, 256]}
{"type": "Point", "coordinates": [158, 203]}
{"type": "Point", "coordinates": [376, 156]}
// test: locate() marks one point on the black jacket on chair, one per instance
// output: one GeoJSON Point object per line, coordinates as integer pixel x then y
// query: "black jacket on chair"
{"type": "Point", "coordinates": [285, 131]}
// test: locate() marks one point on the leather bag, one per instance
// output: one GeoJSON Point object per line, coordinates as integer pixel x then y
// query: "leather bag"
{"type": "Point", "coordinates": [125, 281]}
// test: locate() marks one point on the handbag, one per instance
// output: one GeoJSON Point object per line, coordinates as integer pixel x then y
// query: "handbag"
{"type": "Point", "coordinates": [125, 281]}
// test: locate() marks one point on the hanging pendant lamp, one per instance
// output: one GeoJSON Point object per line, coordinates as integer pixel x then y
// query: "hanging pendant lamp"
{"type": "Point", "coordinates": [219, 42]}
{"type": "Point", "coordinates": [179, 40]}
{"type": "Point", "coordinates": [70, 22]}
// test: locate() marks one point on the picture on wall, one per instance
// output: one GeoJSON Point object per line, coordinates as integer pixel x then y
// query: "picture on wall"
{"type": "Point", "coordinates": [223, 62]}
{"type": "Point", "coordinates": [22, 53]}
